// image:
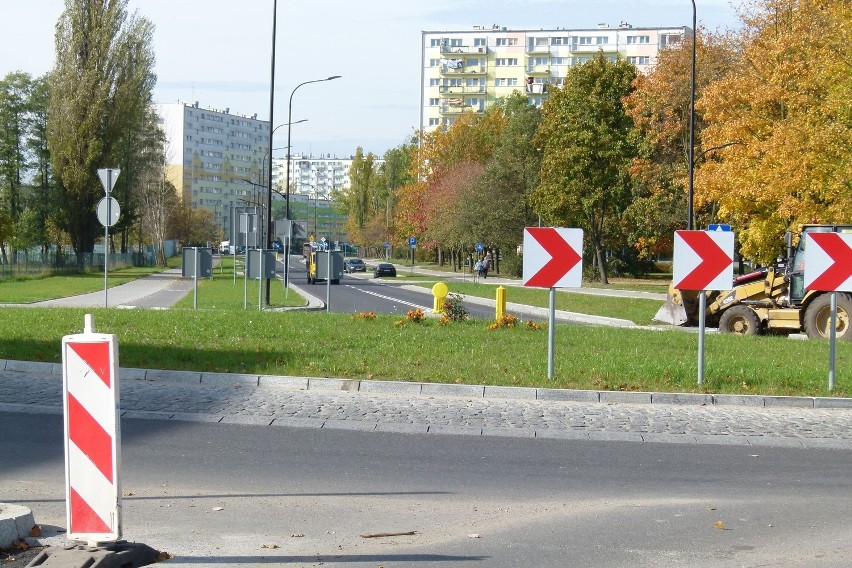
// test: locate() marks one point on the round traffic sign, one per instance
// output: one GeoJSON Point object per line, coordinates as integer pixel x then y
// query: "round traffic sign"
{"type": "Point", "coordinates": [108, 211]}
{"type": "Point", "coordinates": [479, 247]}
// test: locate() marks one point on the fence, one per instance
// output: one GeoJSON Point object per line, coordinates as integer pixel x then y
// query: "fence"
{"type": "Point", "coordinates": [35, 262]}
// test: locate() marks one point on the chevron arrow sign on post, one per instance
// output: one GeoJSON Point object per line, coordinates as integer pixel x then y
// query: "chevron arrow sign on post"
{"type": "Point", "coordinates": [90, 381]}
{"type": "Point", "coordinates": [828, 262]}
{"type": "Point", "coordinates": [553, 257]}
{"type": "Point", "coordinates": [703, 260]}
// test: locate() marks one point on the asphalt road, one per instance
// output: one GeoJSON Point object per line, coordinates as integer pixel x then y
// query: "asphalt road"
{"type": "Point", "coordinates": [305, 497]}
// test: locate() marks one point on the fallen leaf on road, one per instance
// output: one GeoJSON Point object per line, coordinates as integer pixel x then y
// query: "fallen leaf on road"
{"type": "Point", "coordinates": [297, 535]}
{"type": "Point", "coordinates": [719, 525]}
{"type": "Point", "coordinates": [269, 546]}
{"type": "Point", "coordinates": [163, 556]}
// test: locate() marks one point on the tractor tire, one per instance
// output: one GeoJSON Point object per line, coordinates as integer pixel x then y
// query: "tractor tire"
{"type": "Point", "coordinates": [739, 320]}
{"type": "Point", "coordinates": [817, 318]}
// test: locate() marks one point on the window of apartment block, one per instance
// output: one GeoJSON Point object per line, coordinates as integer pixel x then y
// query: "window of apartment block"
{"type": "Point", "coordinates": [434, 102]}
{"type": "Point", "coordinates": [456, 42]}
{"type": "Point", "coordinates": [472, 62]}
{"type": "Point", "coordinates": [435, 42]}
{"type": "Point", "coordinates": [434, 82]}
{"type": "Point", "coordinates": [560, 40]}
{"type": "Point", "coordinates": [560, 61]}
{"type": "Point", "coordinates": [584, 41]}
{"type": "Point", "coordinates": [473, 82]}
{"type": "Point", "coordinates": [639, 59]}
{"type": "Point", "coordinates": [453, 82]}
{"type": "Point", "coordinates": [581, 60]}
{"type": "Point", "coordinates": [434, 121]}
{"type": "Point", "coordinates": [434, 62]}
{"type": "Point", "coordinates": [480, 42]}
{"type": "Point", "coordinates": [506, 41]}
{"type": "Point", "coordinates": [638, 39]}
{"type": "Point", "coordinates": [506, 61]}
{"type": "Point", "coordinates": [541, 61]}
{"type": "Point", "coordinates": [601, 40]}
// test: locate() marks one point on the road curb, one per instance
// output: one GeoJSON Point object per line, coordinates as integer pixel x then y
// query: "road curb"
{"type": "Point", "coordinates": [16, 522]}
{"type": "Point", "coordinates": [447, 390]}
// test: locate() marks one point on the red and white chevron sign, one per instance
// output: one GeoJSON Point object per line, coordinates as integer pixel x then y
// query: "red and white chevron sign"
{"type": "Point", "coordinates": [703, 260]}
{"type": "Point", "coordinates": [828, 262]}
{"type": "Point", "coordinates": [553, 257]}
{"type": "Point", "coordinates": [92, 436]}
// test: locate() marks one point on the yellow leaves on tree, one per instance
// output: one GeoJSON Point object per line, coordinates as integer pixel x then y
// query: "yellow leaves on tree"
{"type": "Point", "coordinates": [782, 123]}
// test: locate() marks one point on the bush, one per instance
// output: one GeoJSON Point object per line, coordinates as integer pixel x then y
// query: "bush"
{"type": "Point", "coordinates": [454, 310]}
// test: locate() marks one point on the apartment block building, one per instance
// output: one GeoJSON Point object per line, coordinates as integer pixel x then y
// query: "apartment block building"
{"type": "Point", "coordinates": [318, 176]}
{"type": "Point", "coordinates": [215, 159]}
{"type": "Point", "coordinates": [467, 71]}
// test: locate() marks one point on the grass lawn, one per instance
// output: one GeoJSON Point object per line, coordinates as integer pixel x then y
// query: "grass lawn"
{"type": "Point", "coordinates": [222, 293]}
{"type": "Point", "coordinates": [47, 287]}
{"type": "Point", "coordinates": [639, 311]}
{"type": "Point", "coordinates": [337, 345]}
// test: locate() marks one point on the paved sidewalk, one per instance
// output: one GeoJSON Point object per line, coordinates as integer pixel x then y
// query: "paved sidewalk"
{"type": "Point", "coordinates": [424, 408]}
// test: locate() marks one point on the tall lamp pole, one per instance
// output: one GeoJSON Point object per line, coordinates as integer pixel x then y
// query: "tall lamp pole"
{"type": "Point", "coordinates": [289, 151]}
{"type": "Point", "coordinates": [691, 191]}
{"type": "Point", "coordinates": [271, 109]}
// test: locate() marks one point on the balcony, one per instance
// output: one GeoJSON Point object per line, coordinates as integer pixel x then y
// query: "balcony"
{"type": "Point", "coordinates": [457, 109]}
{"type": "Point", "coordinates": [451, 90]}
{"type": "Point", "coordinates": [462, 49]}
{"type": "Point", "coordinates": [538, 49]}
{"type": "Point", "coordinates": [538, 70]}
{"type": "Point", "coordinates": [455, 69]}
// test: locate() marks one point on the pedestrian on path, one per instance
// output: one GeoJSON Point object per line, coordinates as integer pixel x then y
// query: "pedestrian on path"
{"type": "Point", "coordinates": [477, 270]}
{"type": "Point", "coordinates": [486, 264]}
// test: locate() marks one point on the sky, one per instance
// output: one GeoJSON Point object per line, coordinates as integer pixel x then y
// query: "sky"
{"type": "Point", "coordinates": [218, 52]}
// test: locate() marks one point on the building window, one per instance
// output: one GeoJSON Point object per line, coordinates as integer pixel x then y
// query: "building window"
{"type": "Point", "coordinates": [541, 61]}
{"type": "Point", "coordinates": [585, 41]}
{"type": "Point", "coordinates": [480, 42]}
{"type": "Point", "coordinates": [560, 61]}
{"type": "Point", "coordinates": [560, 40]}
{"type": "Point", "coordinates": [434, 62]}
{"type": "Point", "coordinates": [638, 39]}
{"type": "Point", "coordinates": [639, 60]}
{"type": "Point", "coordinates": [435, 43]}
{"type": "Point", "coordinates": [601, 40]}
{"type": "Point", "coordinates": [506, 82]}
{"type": "Point", "coordinates": [434, 82]}
{"type": "Point", "coordinates": [506, 61]}
{"type": "Point", "coordinates": [434, 102]}
{"type": "Point", "coordinates": [472, 62]}
{"type": "Point", "coordinates": [506, 41]}
{"type": "Point", "coordinates": [434, 121]}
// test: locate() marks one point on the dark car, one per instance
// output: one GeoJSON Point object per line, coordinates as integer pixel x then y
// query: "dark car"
{"type": "Point", "coordinates": [354, 265]}
{"type": "Point", "coordinates": [384, 269]}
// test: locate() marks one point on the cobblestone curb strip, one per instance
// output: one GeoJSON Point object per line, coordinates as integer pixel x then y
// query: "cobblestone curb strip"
{"type": "Point", "coordinates": [445, 390]}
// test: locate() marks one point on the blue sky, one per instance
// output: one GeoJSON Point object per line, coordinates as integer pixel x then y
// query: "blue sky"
{"type": "Point", "coordinates": [217, 52]}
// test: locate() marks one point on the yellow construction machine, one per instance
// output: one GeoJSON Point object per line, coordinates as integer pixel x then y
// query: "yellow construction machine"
{"type": "Point", "coordinates": [772, 299]}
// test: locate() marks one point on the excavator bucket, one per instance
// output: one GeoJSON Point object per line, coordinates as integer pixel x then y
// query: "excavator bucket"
{"type": "Point", "coordinates": [673, 311]}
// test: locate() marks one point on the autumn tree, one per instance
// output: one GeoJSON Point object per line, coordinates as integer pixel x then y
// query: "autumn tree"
{"type": "Point", "coordinates": [781, 120]}
{"type": "Point", "coordinates": [15, 91]}
{"type": "Point", "coordinates": [587, 152]}
{"type": "Point", "coordinates": [660, 109]}
{"type": "Point", "coordinates": [102, 80]}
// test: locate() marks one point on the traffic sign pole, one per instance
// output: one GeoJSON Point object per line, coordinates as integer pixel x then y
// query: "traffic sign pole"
{"type": "Point", "coordinates": [832, 344]}
{"type": "Point", "coordinates": [551, 332]}
{"type": "Point", "coordinates": [702, 306]}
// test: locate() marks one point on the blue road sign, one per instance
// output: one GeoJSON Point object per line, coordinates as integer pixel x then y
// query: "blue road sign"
{"type": "Point", "coordinates": [412, 242]}
{"type": "Point", "coordinates": [719, 228]}
{"type": "Point", "coordinates": [479, 247]}
{"type": "Point", "coordinates": [387, 245]}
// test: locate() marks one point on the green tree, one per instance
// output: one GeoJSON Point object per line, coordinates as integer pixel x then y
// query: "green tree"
{"type": "Point", "coordinates": [587, 152]}
{"type": "Point", "coordinates": [15, 91]}
{"type": "Point", "coordinates": [102, 79]}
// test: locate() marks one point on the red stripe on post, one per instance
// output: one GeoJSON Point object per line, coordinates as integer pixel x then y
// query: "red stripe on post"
{"type": "Point", "coordinates": [90, 437]}
{"type": "Point", "coordinates": [84, 519]}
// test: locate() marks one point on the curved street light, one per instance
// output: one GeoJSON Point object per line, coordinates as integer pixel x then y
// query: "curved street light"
{"type": "Point", "coordinates": [289, 152]}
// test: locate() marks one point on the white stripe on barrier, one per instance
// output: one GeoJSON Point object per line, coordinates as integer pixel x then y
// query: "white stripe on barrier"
{"type": "Point", "coordinates": [92, 486]}
{"type": "Point", "coordinates": [91, 392]}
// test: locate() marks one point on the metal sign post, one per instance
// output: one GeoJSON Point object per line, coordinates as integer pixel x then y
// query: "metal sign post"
{"type": "Point", "coordinates": [553, 258]}
{"type": "Point", "coordinates": [107, 209]}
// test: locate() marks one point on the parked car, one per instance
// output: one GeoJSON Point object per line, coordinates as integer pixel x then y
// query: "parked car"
{"type": "Point", "coordinates": [354, 265]}
{"type": "Point", "coordinates": [384, 269]}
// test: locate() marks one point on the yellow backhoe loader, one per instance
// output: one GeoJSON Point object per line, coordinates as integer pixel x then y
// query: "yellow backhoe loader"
{"type": "Point", "coordinates": [771, 299]}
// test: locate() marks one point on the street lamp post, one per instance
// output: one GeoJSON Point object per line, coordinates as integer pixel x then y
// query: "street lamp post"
{"type": "Point", "coordinates": [271, 109]}
{"type": "Point", "coordinates": [289, 151]}
{"type": "Point", "coordinates": [691, 191]}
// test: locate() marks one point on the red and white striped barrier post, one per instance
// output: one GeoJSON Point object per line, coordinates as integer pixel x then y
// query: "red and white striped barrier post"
{"type": "Point", "coordinates": [92, 435]}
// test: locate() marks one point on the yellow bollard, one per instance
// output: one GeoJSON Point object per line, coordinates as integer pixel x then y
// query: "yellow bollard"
{"type": "Point", "coordinates": [440, 291]}
{"type": "Point", "coordinates": [501, 302]}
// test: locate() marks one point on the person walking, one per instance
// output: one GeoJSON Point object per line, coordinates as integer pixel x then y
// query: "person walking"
{"type": "Point", "coordinates": [477, 274]}
{"type": "Point", "coordinates": [486, 264]}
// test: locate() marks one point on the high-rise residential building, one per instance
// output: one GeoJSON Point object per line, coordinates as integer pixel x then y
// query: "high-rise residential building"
{"type": "Point", "coordinates": [315, 176]}
{"type": "Point", "coordinates": [216, 160]}
{"type": "Point", "coordinates": [467, 71]}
